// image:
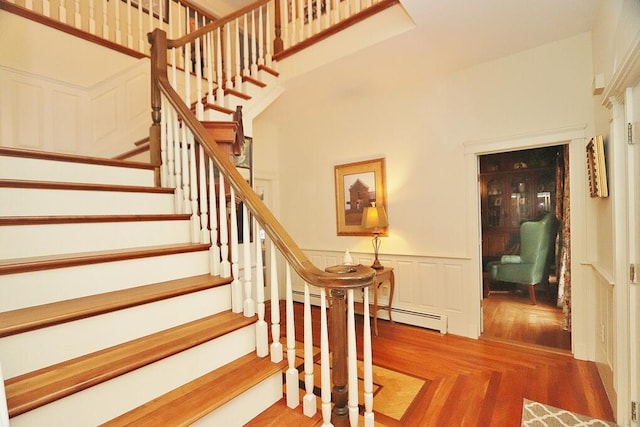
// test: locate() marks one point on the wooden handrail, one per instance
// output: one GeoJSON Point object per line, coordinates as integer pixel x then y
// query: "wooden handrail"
{"type": "Point", "coordinates": [346, 277]}
{"type": "Point", "coordinates": [214, 25]}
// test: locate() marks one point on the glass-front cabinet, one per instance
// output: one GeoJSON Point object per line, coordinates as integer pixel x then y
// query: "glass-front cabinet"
{"type": "Point", "coordinates": [515, 187]}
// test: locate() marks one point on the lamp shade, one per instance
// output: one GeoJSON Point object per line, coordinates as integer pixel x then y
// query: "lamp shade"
{"type": "Point", "coordinates": [374, 218]}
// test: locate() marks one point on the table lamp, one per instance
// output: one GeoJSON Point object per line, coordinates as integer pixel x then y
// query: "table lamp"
{"type": "Point", "coordinates": [375, 218]}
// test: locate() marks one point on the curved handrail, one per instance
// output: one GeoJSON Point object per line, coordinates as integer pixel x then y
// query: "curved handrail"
{"type": "Point", "coordinates": [348, 277]}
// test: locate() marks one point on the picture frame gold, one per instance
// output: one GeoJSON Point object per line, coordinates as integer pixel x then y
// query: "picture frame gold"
{"type": "Point", "coordinates": [358, 185]}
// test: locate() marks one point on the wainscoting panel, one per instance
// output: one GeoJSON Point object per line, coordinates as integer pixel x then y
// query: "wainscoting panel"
{"type": "Point", "coordinates": [66, 130]}
{"type": "Point", "coordinates": [430, 292]}
{"type": "Point", "coordinates": [104, 120]}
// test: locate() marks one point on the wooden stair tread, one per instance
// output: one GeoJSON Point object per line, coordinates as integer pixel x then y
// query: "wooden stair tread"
{"type": "Point", "coordinates": [81, 219]}
{"type": "Point", "coordinates": [53, 185]}
{"type": "Point", "coordinates": [21, 265]}
{"type": "Point", "coordinates": [37, 388]}
{"type": "Point", "coordinates": [41, 316]}
{"type": "Point", "coordinates": [72, 158]}
{"type": "Point", "coordinates": [194, 400]}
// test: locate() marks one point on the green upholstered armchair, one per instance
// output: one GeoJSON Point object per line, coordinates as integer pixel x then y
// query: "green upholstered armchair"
{"type": "Point", "coordinates": [531, 267]}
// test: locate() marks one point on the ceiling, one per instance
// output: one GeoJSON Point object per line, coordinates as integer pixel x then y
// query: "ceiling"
{"type": "Point", "coordinates": [454, 34]}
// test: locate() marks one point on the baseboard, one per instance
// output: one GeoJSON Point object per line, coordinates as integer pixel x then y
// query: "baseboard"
{"type": "Point", "coordinates": [428, 320]}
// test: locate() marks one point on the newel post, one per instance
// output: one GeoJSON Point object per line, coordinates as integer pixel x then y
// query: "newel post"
{"type": "Point", "coordinates": [158, 41]}
{"type": "Point", "coordinates": [338, 313]}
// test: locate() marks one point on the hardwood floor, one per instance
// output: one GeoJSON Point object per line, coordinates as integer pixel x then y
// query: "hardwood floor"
{"type": "Point", "coordinates": [463, 382]}
{"type": "Point", "coordinates": [509, 316]}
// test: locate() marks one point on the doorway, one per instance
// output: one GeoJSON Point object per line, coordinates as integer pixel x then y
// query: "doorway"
{"type": "Point", "coordinates": [516, 187]}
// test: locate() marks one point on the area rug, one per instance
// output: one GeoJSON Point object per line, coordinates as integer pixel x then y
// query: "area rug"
{"type": "Point", "coordinates": [535, 414]}
{"type": "Point", "coordinates": [394, 392]}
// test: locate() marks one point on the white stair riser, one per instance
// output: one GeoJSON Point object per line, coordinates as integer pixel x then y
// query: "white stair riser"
{"type": "Point", "coordinates": [51, 239]}
{"type": "Point", "coordinates": [37, 202]}
{"type": "Point", "coordinates": [105, 401]}
{"type": "Point", "coordinates": [245, 407]}
{"type": "Point", "coordinates": [43, 347]}
{"type": "Point", "coordinates": [59, 171]}
{"type": "Point", "coordinates": [42, 287]}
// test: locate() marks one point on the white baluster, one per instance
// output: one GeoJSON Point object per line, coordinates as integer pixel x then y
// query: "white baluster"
{"type": "Point", "coordinates": [249, 307]}
{"type": "Point", "coordinates": [293, 399]}
{"type": "Point", "coordinates": [262, 331]}
{"type": "Point", "coordinates": [209, 66]}
{"type": "Point", "coordinates": [165, 126]}
{"type": "Point", "coordinates": [236, 286]}
{"type": "Point", "coordinates": [193, 190]}
{"type": "Point", "coordinates": [268, 56]}
{"type": "Point", "coordinates": [181, 33]}
{"type": "Point", "coordinates": [214, 250]}
{"type": "Point", "coordinates": [198, 71]}
{"type": "Point", "coordinates": [105, 20]}
{"type": "Point", "coordinates": [325, 369]}
{"type": "Point", "coordinates": [227, 55]}
{"type": "Point", "coordinates": [260, 39]}
{"type": "Point", "coordinates": [204, 208]}
{"type": "Point", "coordinates": [347, 9]}
{"type": "Point", "coordinates": [141, 38]}
{"type": "Point", "coordinates": [46, 8]}
{"type": "Point", "coordinates": [276, 346]}
{"type": "Point", "coordinates": [129, 26]}
{"type": "Point", "coordinates": [285, 12]}
{"type": "Point", "coordinates": [367, 362]}
{"type": "Point", "coordinates": [309, 402]}
{"type": "Point", "coordinates": [328, 14]}
{"type": "Point", "coordinates": [219, 77]}
{"type": "Point", "coordinates": [225, 266]}
{"type": "Point", "coordinates": [4, 411]}
{"type": "Point", "coordinates": [254, 46]}
{"type": "Point", "coordinates": [245, 46]}
{"type": "Point", "coordinates": [184, 169]}
{"type": "Point", "coordinates": [318, 19]}
{"type": "Point", "coordinates": [237, 62]}
{"type": "Point", "coordinates": [357, 8]}
{"type": "Point", "coordinates": [118, 31]}
{"type": "Point", "coordinates": [62, 12]}
{"type": "Point", "coordinates": [77, 18]}
{"type": "Point", "coordinates": [352, 361]}
{"type": "Point", "coordinates": [92, 15]}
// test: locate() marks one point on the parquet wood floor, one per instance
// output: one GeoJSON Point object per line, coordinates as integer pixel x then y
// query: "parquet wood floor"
{"type": "Point", "coordinates": [467, 382]}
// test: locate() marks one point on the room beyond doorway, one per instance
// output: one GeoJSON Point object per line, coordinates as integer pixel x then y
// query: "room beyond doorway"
{"type": "Point", "coordinates": [516, 187]}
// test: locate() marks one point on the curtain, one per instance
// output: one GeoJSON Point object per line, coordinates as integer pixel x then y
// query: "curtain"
{"type": "Point", "coordinates": [563, 261]}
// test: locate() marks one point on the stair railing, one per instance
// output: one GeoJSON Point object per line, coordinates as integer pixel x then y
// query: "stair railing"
{"type": "Point", "coordinates": [187, 143]}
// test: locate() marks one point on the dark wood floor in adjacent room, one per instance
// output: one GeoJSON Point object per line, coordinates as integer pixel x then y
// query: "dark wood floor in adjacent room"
{"type": "Point", "coordinates": [466, 382]}
{"type": "Point", "coordinates": [510, 316]}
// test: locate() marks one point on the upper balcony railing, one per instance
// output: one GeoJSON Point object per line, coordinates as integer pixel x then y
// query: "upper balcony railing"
{"type": "Point", "coordinates": [285, 25]}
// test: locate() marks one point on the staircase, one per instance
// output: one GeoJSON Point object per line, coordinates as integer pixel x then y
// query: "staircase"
{"type": "Point", "coordinates": [107, 311]}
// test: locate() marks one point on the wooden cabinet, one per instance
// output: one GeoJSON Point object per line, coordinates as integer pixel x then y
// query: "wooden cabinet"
{"type": "Point", "coordinates": [515, 187]}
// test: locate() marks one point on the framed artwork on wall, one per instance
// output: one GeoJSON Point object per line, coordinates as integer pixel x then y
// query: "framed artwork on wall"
{"type": "Point", "coordinates": [596, 168]}
{"type": "Point", "coordinates": [358, 185]}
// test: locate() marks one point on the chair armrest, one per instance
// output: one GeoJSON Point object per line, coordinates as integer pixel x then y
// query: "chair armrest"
{"type": "Point", "coordinates": [510, 259]}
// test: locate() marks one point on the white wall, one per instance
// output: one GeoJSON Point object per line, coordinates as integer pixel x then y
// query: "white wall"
{"type": "Point", "coordinates": [616, 36]}
{"type": "Point", "coordinates": [421, 130]}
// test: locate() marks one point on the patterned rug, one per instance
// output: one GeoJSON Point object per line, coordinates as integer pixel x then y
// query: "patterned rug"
{"type": "Point", "coordinates": [394, 392]}
{"type": "Point", "coordinates": [535, 414]}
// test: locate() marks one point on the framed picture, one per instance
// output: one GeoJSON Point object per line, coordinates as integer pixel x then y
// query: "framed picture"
{"type": "Point", "coordinates": [358, 185]}
{"type": "Point", "coordinates": [596, 168]}
{"type": "Point", "coordinates": [155, 7]}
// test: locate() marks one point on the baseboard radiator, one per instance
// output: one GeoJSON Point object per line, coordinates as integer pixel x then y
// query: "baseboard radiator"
{"type": "Point", "coordinates": [434, 321]}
